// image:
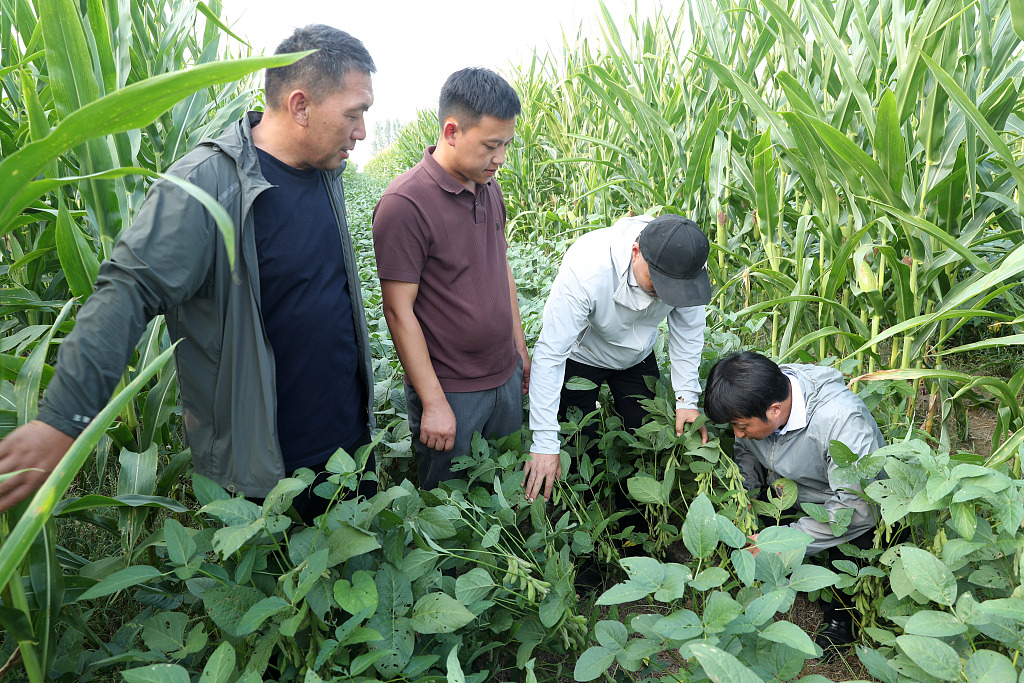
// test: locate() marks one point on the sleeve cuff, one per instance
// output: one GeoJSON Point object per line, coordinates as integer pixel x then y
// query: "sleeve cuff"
{"type": "Point", "coordinates": [70, 427]}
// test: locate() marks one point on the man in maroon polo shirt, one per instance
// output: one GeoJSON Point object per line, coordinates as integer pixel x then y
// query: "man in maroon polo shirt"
{"type": "Point", "coordinates": [449, 295]}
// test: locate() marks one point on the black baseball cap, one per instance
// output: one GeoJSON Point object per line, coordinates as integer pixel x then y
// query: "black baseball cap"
{"type": "Point", "coordinates": [676, 252]}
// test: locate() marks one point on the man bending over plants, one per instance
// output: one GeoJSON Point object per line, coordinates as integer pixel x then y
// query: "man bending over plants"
{"type": "Point", "coordinates": [785, 419]}
{"type": "Point", "coordinates": [614, 288]}
{"type": "Point", "coordinates": [449, 296]}
{"type": "Point", "coordinates": [274, 360]}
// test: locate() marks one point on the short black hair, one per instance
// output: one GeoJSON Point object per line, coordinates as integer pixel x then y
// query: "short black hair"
{"type": "Point", "coordinates": [475, 92]}
{"type": "Point", "coordinates": [321, 73]}
{"type": "Point", "coordinates": [744, 385]}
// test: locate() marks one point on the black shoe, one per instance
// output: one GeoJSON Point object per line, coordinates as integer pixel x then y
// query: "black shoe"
{"type": "Point", "coordinates": [837, 632]}
{"type": "Point", "coordinates": [589, 577]}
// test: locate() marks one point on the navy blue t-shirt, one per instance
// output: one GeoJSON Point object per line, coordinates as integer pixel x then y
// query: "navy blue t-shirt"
{"type": "Point", "coordinates": [307, 313]}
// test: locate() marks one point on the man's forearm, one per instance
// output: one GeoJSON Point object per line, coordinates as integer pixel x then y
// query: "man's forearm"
{"type": "Point", "coordinates": [411, 346]}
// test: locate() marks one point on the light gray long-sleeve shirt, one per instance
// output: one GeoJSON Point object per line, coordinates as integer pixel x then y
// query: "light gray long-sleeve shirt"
{"type": "Point", "coordinates": [595, 317]}
{"type": "Point", "coordinates": [833, 413]}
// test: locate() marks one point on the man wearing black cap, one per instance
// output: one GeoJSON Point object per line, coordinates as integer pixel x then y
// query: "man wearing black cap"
{"type": "Point", "coordinates": [601, 320]}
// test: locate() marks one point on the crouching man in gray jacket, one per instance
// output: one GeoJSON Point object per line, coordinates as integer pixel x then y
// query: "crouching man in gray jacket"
{"type": "Point", "coordinates": [785, 418]}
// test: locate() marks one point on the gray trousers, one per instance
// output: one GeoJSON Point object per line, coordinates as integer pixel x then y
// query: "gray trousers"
{"type": "Point", "coordinates": [492, 412]}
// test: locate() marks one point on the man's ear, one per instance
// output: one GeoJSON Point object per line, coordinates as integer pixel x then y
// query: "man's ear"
{"type": "Point", "coordinates": [449, 129]}
{"type": "Point", "coordinates": [774, 410]}
{"type": "Point", "coordinates": [298, 106]}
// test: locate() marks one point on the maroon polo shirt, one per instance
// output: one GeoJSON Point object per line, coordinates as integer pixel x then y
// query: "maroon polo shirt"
{"type": "Point", "coordinates": [429, 229]}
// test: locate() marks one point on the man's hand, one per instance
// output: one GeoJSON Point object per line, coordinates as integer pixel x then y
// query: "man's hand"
{"type": "Point", "coordinates": [685, 415]}
{"type": "Point", "coordinates": [752, 548]}
{"type": "Point", "coordinates": [540, 474]}
{"type": "Point", "coordinates": [36, 446]}
{"type": "Point", "coordinates": [437, 426]}
{"type": "Point", "coordinates": [526, 374]}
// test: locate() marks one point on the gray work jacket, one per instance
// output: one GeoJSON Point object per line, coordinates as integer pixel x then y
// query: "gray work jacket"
{"type": "Point", "coordinates": [834, 413]}
{"type": "Point", "coordinates": [173, 261]}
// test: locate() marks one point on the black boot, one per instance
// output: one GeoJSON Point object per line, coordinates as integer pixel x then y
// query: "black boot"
{"type": "Point", "coordinates": [836, 632]}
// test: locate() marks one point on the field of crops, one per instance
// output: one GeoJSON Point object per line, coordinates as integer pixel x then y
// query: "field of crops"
{"type": "Point", "coordinates": [857, 165]}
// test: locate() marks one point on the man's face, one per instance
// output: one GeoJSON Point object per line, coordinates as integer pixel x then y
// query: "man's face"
{"type": "Point", "coordinates": [335, 122]}
{"type": "Point", "coordinates": [479, 151]}
{"type": "Point", "coordinates": [755, 428]}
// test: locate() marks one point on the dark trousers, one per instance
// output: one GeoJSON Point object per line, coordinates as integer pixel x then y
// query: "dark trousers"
{"type": "Point", "coordinates": [627, 387]}
{"type": "Point", "coordinates": [493, 412]}
{"type": "Point", "coordinates": [831, 610]}
{"type": "Point", "coordinates": [309, 505]}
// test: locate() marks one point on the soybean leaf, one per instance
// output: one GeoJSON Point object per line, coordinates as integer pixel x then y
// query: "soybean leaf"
{"type": "Point", "coordinates": [929, 575]}
{"type": "Point", "coordinates": [986, 666]}
{"type": "Point", "coordinates": [359, 595]}
{"type": "Point", "coordinates": [932, 655]}
{"type": "Point", "coordinates": [157, 673]}
{"type": "Point", "coordinates": [810, 577]}
{"type": "Point", "coordinates": [644, 488]}
{"type": "Point", "coordinates": [722, 667]}
{"type": "Point", "coordinates": [455, 672]}
{"type": "Point", "coordinates": [792, 635]}
{"type": "Point", "coordinates": [592, 663]}
{"type": "Point", "coordinates": [712, 577]}
{"type": "Point", "coordinates": [439, 613]}
{"type": "Point", "coordinates": [220, 666]}
{"type": "Point", "coordinates": [682, 624]}
{"type": "Point", "coordinates": [936, 624]}
{"type": "Point", "coordinates": [700, 529]}
{"type": "Point", "coordinates": [761, 609]}
{"type": "Point", "coordinates": [744, 564]}
{"type": "Point", "coordinates": [781, 539]}
{"type": "Point", "coordinates": [474, 585]}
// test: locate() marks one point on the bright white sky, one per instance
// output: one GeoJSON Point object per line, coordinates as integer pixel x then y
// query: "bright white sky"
{"type": "Point", "coordinates": [416, 44]}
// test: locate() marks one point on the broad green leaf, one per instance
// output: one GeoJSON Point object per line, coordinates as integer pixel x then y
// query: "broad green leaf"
{"type": "Point", "coordinates": [221, 665]}
{"type": "Point", "coordinates": [359, 595]}
{"type": "Point", "coordinates": [1008, 608]}
{"type": "Point", "coordinates": [932, 655]}
{"type": "Point", "coordinates": [644, 488]}
{"type": "Point", "coordinates": [762, 609]}
{"type": "Point", "coordinates": [348, 541]}
{"type": "Point", "coordinates": [226, 605]}
{"type": "Point", "coordinates": [700, 529]}
{"type": "Point", "coordinates": [165, 632]}
{"type": "Point", "coordinates": [474, 585]}
{"type": "Point", "coordinates": [719, 611]}
{"type": "Point", "coordinates": [781, 539]}
{"type": "Point", "coordinates": [259, 613]}
{"type": "Point", "coordinates": [743, 563]}
{"type": "Point", "coordinates": [712, 577]}
{"type": "Point", "coordinates": [935, 624]}
{"type": "Point", "coordinates": [722, 667]}
{"type": "Point", "coordinates": [810, 577]}
{"type": "Point", "coordinates": [119, 580]}
{"type": "Point", "coordinates": [157, 673]}
{"type": "Point", "coordinates": [890, 145]}
{"type": "Point", "coordinates": [592, 663]}
{"type": "Point", "coordinates": [792, 635]}
{"type": "Point", "coordinates": [228, 540]}
{"type": "Point", "coordinates": [455, 673]}
{"type": "Point", "coordinates": [680, 625]}
{"type": "Point", "coordinates": [986, 666]}
{"type": "Point", "coordinates": [929, 575]}
{"type": "Point", "coordinates": [439, 613]}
